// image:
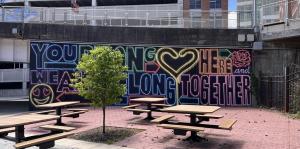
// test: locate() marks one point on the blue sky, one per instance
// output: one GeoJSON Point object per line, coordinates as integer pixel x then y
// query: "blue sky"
{"type": "Point", "coordinates": [232, 5]}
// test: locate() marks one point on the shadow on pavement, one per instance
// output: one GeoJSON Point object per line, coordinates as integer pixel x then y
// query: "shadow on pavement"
{"type": "Point", "coordinates": [13, 107]}
{"type": "Point", "coordinates": [212, 143]}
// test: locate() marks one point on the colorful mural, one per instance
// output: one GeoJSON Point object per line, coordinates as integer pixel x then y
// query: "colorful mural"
{"type": "Point", "coordinates": [183, 75]}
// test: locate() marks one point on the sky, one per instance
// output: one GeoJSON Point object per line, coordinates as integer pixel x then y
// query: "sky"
{"type": "Point", "coordinates": [232, 5]}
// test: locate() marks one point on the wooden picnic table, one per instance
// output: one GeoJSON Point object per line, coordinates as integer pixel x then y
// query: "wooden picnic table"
{"type": "Point", "coordinates": [193, 110]}
{"type": "Point", "coordinates": [21, 120]}
{"type": "Point", "coordinates": [58, 106]}
{"type": "Point", "coordinates": [149, 101]}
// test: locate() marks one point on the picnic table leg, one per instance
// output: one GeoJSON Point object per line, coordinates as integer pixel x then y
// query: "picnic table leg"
{"type": "Point", "coordinates": [19, 134]}
{"type": "Point", "coordinates": [58, 112]}
{"type": "Point", "coordinates": [193, 121]}
{"type": "Point", "coordinates": [194, 136]}
{"type": "Point", "coordinates": [149, 114]}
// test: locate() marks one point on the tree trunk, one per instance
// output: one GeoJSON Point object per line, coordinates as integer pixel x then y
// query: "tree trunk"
{"type": "Point", "coordinates": [103, 127]}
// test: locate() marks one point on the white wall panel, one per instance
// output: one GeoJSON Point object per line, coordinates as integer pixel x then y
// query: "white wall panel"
{"type": "Point", "coordinates": [12, 50]}
{"type": "Point", "coordinates": [21, 51]}
{"type": "Point", "coordinates": [6, 50]}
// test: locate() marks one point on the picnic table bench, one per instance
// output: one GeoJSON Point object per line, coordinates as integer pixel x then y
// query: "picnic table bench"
{"type": "Point", "coordinates": [56, 128]}
{"type": "Point", "coordinates": [131, 106]}
{"type": "Point", "coordinates": [139, 111]}
{"type": "Point", "coordinates": [181, 129]}
{"type": "Point", "coordinates": [17, 124]}
{"type": "Point", "coordinates": [227, 124]}
{"type": "Point", "coordinates": [6, 131]}
{"type": "Point", "coordinates": [150, 102]}
{"type": "Point", "coordinates": [206, 117]}
{"type": "Point", "coordinates": [78, 109]}
{"type": "Point", "coordinates": [74, 113]}
{"type": "Point", "coordinates": [43, 142]}
{"type": "Point", "coordinates": [44, 112]}
{"type": "Point", "coordinates": [162, 119]}
{"type": "Point", "coordinates": [203, 113]}
{"type": "Point", "coordinates": [161, 105]}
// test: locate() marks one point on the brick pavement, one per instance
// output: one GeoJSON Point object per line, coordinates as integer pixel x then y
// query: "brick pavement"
{"type": "Point", "coordinates": [256, 128]}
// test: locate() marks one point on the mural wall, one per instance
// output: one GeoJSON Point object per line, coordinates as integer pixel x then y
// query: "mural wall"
{"type": "Point", "coordinates": [183, 75]}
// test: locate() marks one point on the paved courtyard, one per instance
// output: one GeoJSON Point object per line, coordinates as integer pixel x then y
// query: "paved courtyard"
{"type": "Point", "coordinates": [66, 144]}
{"type": "Point", "coordinates": [255, 128]}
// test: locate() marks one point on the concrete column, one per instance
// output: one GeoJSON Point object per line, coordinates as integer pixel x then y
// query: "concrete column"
{"type": "Point", "coordinates": [26, 3]}
{"type": "Point", "coordinates": [186, 12]}
{"type": "Point", "coordinates": [25, 74]}
{"type": "Point", "coordinates": [180, 13]}
{"type": "Point", "coordinates": [286, 13]}
{"type": "Point", "coordinates": [3, 17]}
{"type": "Point", "coordinates": [254, 14]}
{"type": "Point", "coordinates": [94, 4]}
{"type": "Point", "coordinates": [205, 6]}
{"type": "Point", "coordinates": [224, 7]}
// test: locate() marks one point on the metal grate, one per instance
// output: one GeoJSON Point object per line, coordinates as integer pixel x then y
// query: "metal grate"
{"type": "Point", "coordinates": [281, 91]}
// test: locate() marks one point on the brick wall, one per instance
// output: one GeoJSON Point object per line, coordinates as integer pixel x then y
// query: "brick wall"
{"type": "Point", "coordinates": [205, 6]}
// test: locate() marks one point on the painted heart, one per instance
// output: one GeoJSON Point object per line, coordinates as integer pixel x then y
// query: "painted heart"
{"type": "Point", "coordinates": [184, 67]}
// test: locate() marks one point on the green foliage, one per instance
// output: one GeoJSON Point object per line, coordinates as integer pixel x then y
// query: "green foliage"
{"type": "Point", "coordinates": [98, 76]}
{"type": "Point", "coordinates": [297, 115]}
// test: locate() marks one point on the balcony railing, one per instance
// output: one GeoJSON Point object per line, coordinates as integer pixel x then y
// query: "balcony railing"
{"type": "Point", "coordinates": [99, 16]}
{"type": "Point", "coordinates": [14, 75]}
{"type": "Point", "coordinates": [280, 12]}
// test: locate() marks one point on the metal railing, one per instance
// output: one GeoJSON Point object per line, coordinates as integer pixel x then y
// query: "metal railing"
{"type": "Point", "coordinates": [281, 90]}
{"type": "Point", "coordinates": [14, 75]}
{"type": "Point", "coordinates": [272, 91]}
{"type": "Point", "coordinates": [281, 11]}
{"type": "Point", "coordinates": [99, 16]}
{"type": "Point", "coordinates": [11, 93]}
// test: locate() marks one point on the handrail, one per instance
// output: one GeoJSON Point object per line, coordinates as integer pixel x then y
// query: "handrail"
{"type": "Point", "coordinates": [281, 11]}
{"type": "Point", "coordinates": [103, 16]}
{"type": "Point", "coordinates": [278, 2]}
{"type": "Point", "coordinates": [274, 3]}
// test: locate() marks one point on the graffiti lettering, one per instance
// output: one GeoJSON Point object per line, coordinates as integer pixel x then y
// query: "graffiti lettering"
{"type": "Point", "coordinates": [57, 56]}
{"type": "Point", "coordinates": [211, 63]}
{"type": "Point", "coordinates": [183, 75]}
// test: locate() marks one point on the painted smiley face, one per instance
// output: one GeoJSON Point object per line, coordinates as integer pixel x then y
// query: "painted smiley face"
{"type": "Point", "coordinates": [41, 94]}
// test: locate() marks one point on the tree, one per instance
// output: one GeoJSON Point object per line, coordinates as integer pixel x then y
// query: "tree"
{"type": "Point", "coordinates": [98, 77]}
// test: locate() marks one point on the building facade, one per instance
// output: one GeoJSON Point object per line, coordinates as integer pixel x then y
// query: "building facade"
{"type": "Point", "coordinates": [170, 13]}
{"type": "Point", "coordinates": [247, 6]}
{"type": "Point", "coordinates": [15, 53]}
{"type": "Point", "coordinates": [206, 13]}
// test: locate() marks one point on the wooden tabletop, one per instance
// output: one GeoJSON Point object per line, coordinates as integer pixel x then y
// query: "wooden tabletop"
{"type": "Point", "coordinates": [148, 100]}
{"type": "Point", "coordinates": [26, 119]}
{"type": "Point", "coordinates": [58, 104]}
{"type": "Point", "coordinates": [189, 109]}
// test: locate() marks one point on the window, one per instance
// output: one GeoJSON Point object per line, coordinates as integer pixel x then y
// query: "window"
{"type": "Point", "coordinates": [195, 4]}
{"type": "Point", "coordinates": [11, 65]}
{"type": "Point", "coordinates": [215, 4]}
{"type": "Point", "coordinates": [196, 22]}
{"type": "Point", "coordinates": [10, 85]}
{"type": "Point", "coordinates": [216, 22]}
